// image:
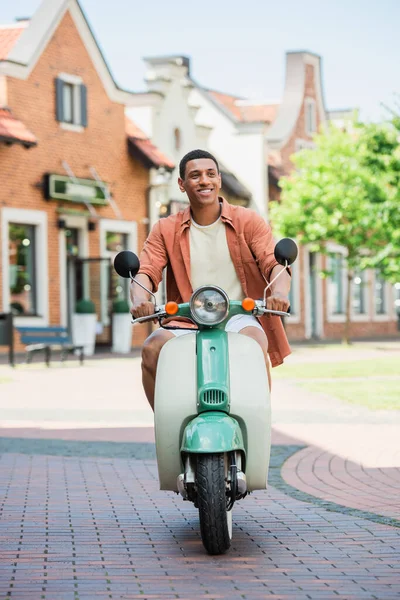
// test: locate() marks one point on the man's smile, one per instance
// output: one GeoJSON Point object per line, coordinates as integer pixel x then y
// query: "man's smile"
{"type": "Point", "coordinates": [205, 191]}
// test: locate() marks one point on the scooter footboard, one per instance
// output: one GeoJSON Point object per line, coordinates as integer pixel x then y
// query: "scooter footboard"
{"type": "Point", "coordinates": [174, 405]}
{"type": "Point", "coordinates": [250, 406]}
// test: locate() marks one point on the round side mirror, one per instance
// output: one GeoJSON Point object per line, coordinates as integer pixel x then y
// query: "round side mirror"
{"type": "Point", "coordinates": [286, 251]}
{"type": "Point", "coordinates": [127, 264]}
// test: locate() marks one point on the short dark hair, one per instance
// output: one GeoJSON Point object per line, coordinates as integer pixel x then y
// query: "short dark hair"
{"type": "Point", "coordinates": [192, 155]}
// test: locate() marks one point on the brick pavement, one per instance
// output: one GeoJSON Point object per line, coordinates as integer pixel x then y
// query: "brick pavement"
{"type": "Point", "coordinates": [329, 477]}
{"type": "Point", "coordinates": [82, 518]}
{"type": "Point", "coordinates": [80, 528]}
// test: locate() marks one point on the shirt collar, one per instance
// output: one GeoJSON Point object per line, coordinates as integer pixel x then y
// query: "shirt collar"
{"type": "Point", "coordinates": [226, 213]}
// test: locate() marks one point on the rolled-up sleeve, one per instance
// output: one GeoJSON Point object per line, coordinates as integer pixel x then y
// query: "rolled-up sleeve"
{"type": "Point", "coordinates": [153, 258]}
{"type": "Point", "coordinates": [262, 245]}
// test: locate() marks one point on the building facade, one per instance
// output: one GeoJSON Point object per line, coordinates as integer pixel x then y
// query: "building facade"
{"type": "Point", "coordinates": [75, 185]}
{"type": "Point", "coordinates": [255, 141]}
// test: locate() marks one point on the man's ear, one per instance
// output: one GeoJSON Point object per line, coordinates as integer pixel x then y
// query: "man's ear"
{"type": "Point", "coordinates": [181, 185]}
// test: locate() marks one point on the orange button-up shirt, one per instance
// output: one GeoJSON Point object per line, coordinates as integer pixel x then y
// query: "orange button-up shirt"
{"type": "Point", "coordinates": [251, 247]}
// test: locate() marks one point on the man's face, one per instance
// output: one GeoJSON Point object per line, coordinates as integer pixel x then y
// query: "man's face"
{"type": "Point", "coordinates": [202, 182]}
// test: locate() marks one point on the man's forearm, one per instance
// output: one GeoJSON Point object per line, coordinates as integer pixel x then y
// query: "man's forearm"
{"type": "Point", "coordinates": [138, 293]}
{"type": "Point", "coordinates": [282, 284]}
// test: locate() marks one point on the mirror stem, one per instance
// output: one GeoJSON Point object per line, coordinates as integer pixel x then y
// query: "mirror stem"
{"type": "Point", "coordinates": [274, 279]}
{"type": "Point", "coordinates": [133, 280]}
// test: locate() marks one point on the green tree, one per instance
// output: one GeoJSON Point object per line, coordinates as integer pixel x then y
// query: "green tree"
{"type": "Point", "coordinates": [383, 159]}
{"type": "Point", "coordinates": [335, 195]}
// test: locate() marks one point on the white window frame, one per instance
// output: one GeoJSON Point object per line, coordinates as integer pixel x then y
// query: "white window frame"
{"type": "Point", "coordinates": [38, 219]}
{"type": "Point", "coordinates": [80, 223]}
{"type": "Point", "coordinates": [128, 228]}
{"type": "Point", "coordinates": [367, 296]}
{"type": "Point", "coordinates": [310, 128]}
{"type": "Point", "coordinates": [307, 296]}
{"type": "Point", "coordinates": [332, 317]}
{"type": "Point", "coordinates": [76, 81]}
{"type": "Point", "coordinates": [295, 317]}
{"type": "Point", "coordinates": [386, 316]}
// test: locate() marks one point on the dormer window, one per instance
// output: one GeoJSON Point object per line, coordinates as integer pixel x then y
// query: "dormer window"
{"type": "Point", "coordinates": [310, 110]}
{"type": "Point", "coordinates": [71, 102]}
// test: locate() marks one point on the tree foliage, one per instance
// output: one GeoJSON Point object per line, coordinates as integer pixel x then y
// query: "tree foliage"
{"type": "Point", "coordinates": [347, 190]}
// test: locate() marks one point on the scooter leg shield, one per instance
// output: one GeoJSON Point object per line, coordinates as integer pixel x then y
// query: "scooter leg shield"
{"type": "Point", "coordinates": [212, 432]}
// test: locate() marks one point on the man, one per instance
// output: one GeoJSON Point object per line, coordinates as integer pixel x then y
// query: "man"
{"type": "Point", "coordinates": [211, 242]}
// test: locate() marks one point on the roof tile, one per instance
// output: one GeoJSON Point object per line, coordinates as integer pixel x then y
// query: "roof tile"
{"type": "Point", "coordinates": [243, 110]}
{"type": "Point", "coordinates": [139, 139]}
{"type": "Point", "coordinates": [8, 38]}
{"type": "Point", "coordinates": [12, 130]}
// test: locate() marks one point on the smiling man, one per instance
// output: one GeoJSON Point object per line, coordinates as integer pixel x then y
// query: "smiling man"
{"type": "Point", "coordinates": [211, 243]}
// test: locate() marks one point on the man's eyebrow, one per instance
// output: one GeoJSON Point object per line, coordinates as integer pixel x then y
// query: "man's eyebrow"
{"type": "Point", "coordinates": [199, 170]}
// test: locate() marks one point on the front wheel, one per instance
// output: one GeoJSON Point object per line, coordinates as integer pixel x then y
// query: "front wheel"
{"type": "Point", "coordinates": [215, 520]}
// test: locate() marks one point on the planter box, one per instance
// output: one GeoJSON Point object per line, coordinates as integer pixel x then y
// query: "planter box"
{"type": "Point", "coordinates": [122, 333]}
{"type": "Point", "coordinates": [84, 332]}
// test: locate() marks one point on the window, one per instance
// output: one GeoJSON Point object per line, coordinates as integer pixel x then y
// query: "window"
{"type": "Point", "coordinates": [358, 293]}
{"type": "Point", "coordinates": [116, 242]}
{"type": "Point", "coordinates": [335, 286]}
{"type": "Point", "coordinates": [22, 276]}
{"type": "Point", "coordinates": [72, 242]}
{"type": "Point", "coordinates": [310, 116]}
{"type": "Point", "coordinates": [71, 101]}
{"type": "Point", "coordinates": [397, 298]}
{"type": "Point", "coordinates": [380, 294]}
{"type": "Point", "coordinates": [294, 294]}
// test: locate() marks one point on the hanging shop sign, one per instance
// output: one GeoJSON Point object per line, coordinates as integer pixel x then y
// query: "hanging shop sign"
{"type": "Point", "coordinates": [87, 191]}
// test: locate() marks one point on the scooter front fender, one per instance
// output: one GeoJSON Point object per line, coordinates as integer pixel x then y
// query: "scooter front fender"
{"type": "Point", "coordinates": [212, 432]}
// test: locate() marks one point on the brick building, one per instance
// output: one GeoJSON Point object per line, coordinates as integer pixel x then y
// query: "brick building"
{"type": "Point", "coordinates": [75, 178]}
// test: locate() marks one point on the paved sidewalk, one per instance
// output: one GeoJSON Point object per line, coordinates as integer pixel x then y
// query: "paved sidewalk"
{"type": "Point", "coordinates": [83, 528]}
{"type": "Point", "coordinates": [81, 516]}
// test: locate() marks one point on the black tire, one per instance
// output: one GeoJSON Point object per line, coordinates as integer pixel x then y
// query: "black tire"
{"type": "Point", "coordinates": [211, 499]}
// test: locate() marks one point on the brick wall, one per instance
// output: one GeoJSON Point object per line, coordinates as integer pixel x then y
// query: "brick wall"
{"type": "Point", "coordinates": [101, 145]}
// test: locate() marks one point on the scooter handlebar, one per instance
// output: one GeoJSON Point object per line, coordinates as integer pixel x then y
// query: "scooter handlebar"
{"type": "Point", "coordinates": [258, 312]}
{"type": "Point", "coordinates": [159, 314]}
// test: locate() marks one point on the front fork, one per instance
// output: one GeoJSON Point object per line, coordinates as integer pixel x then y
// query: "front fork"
{"type": "Point", "coordinates": [235, 478]}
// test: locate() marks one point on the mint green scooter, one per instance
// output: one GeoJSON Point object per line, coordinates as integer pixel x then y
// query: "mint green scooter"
{"type": "Point", "coordinates": [212, 404]}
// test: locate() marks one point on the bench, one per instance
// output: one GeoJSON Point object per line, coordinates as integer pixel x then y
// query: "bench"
{"type": "Point", "coordinates": [47, 339]}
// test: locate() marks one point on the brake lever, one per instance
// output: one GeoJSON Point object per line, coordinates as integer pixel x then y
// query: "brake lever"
{"type": "Point", "coordinates": [261, 310]}
{"type": "Point", "coordinates": [160, 314]}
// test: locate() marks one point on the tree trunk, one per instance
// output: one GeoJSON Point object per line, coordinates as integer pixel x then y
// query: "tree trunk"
{"type": "Point", "coordinates": [346, 336]}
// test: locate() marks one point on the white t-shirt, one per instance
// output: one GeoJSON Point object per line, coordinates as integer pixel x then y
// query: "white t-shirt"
{"type": "Point", "coordinates": [210, 260]}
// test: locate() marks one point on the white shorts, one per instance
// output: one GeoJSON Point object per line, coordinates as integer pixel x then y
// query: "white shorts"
{"type": "Point", "coordinates": [235, 324]}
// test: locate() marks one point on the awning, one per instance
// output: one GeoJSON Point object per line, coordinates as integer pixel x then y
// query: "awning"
{"type": "Point", "coordinates": [13, 131]}
{"type": "Point", "coordinates": [142, 148]}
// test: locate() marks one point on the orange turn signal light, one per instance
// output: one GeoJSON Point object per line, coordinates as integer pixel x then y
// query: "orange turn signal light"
{"type": "Point", "coordinates": [248, 304]}
{"type": "Point", "coordinates": [171, 308]}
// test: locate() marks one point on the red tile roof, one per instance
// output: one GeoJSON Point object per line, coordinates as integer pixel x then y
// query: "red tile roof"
{"type": "Point", "coordinates": [14, 131]}
{"type": "Point", "coordinates": [147, 149]}
{"type": "Point", "coordinates": [246, 112]}
{"type": "Point", "coordinates": [8, 37]}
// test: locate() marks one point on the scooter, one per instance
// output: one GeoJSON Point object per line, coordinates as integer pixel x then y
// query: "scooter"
{"type": "Point", "coordinates": [212, 403]}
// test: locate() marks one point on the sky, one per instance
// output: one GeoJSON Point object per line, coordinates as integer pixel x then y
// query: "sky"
{"type": "Point", "coordinates": [239, 47]}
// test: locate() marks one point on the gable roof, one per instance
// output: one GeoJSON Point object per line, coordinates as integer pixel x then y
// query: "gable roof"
{"type": "Point", "coordinates": [22, 49]}
{"type": "Point", "coordinates": [9, 35]}
{"type": "Point", "coordinates": [142, 147]}
{"type": "Point", "coordinates": [244, 110]}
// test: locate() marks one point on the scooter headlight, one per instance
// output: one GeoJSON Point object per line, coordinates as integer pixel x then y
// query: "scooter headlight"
{"type": "Point", "coordinates": [209, 305]}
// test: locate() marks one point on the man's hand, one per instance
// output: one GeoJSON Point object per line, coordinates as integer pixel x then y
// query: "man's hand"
{"type": "Point", "coordinates": [142, 308]}
{"type": "Point", "coordinates": [278, 301]}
